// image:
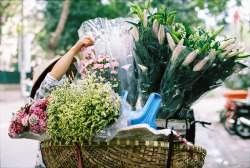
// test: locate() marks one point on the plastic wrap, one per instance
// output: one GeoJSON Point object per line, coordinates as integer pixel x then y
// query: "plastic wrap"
{"type": "Point", "coordinates": [108, 133]}
{"type": "Point", "coordinates": [128, 117]}
{"type": "Point", "coordinates": [165, 58]}
{"type": "Point", "coordinates": [179, 64]}
{"type": "Point", "coordinates": [179, 84]}
{"type": "Point", "coordinates": [113, 38]}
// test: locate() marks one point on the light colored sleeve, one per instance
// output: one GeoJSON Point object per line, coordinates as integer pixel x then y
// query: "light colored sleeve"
{"type": "Point", "coordinates": [49, 83]}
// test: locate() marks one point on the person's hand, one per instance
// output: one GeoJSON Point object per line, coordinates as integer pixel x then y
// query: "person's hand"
{"type": "Point", "coordinates": [83, 42]}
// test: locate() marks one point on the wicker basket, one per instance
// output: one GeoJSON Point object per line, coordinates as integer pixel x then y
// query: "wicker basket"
{"type": "Point", "coordinates": [121, 153]}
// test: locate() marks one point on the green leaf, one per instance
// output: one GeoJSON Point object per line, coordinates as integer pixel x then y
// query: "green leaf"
{"type": "Point", "coordinates": [242, 65]}
{"type": "Point", "coordinates": [199, 38]}
{"type": "Point", "coordinates": [205, 47]}
{"type": "Point", "coordinates": [216, 45]}
{"type": "Point", "coordinates": [172, 13]}
{"type": "Point", "coordinates": [135, 12]}
{"type": "Point", "coordinates": [157, 16]}
{"type": "Point", "coordinates": [196, 46]}
{"type": "Point", "coordinates": [133, 8]}
{"type": "Point", "coordinates": [218, 30]}
{"type": "Point", "coordinates": [131, 4]}
{"type": "Point", "coordinates": [181, 25]}
{"type": "Point", "coordinates": [162, 11]}
{"type": "Point", "coordinates": [147, 4]}
{"type": "Point", "coordinates": [186, 42]}
{"type": "Point", "coordinates": [177, 33]}
{"type": "Point", "coordinates": [200, 44]}
{"type": "Point", "coordinates": [170, 20]}
{"type": "Point", "coordinates": [139, 13]}
{"type": "Point", "coordinates": [176, 40]}
{"type": "Point", "coordinates": [240, 56]}
{"type": "Point", "coordinates": [219, 51]}
{"type": "Point", "coordinates": [135, 24]}
{"type": "Point", "coordinates": [150, 14]}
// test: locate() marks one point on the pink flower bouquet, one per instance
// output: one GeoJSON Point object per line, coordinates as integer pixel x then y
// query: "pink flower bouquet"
{"type": "Point", "coordinates": [38, 116]}
{"type": "Point", "coordinates": [103, 65]}
{"type": "Point", "coordinates": [30, 120]}
{"type": "Point", "coordinates": [19, 122]}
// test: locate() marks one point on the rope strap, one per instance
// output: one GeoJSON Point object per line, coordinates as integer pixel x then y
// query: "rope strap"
{"type": "Point", "coordinates": [78, 155]}
{"type": "Point", "coordinates": [171, 144]}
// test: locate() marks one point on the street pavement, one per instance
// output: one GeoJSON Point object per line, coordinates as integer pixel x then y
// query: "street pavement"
{"type": "Point", "coordinates": [14, 153]}
{"type": "Point", "coordinates": [223, 150]}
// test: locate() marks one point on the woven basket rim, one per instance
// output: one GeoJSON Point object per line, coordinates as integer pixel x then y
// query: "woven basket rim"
{"type": "Point", "coordinates": [128, 143]}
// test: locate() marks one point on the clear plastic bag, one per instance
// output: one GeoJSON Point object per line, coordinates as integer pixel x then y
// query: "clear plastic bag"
{"type": "Point", "coordinates": [113, 38]}
{"type": "Point", "coordinates": [110, 131]}
{"type": "Point", "coordinates": [145, 115]}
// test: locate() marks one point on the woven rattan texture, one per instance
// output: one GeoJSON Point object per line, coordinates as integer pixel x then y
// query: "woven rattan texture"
{"type": "Point", "coordinates": [127, 154]}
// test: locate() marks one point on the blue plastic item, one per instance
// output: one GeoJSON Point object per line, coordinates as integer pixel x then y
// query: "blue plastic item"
{"type": "Point", "coordinates": [124, 95]}
{"type": "Point", "coordinates": [147, 114]}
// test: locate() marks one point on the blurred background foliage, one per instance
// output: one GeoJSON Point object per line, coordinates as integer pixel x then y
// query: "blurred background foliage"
{"type": "Point", "coordinates": [42, 18]}
{"type": "Point", "coordinates": [240, 81]}
{"type": "Point", "coordinates": [8, 9]}
{"type": "Point", "coordinates": [79, 12]}
{"type": "Point", "coordinates": [188, 10]}
{"type": "Point", "coordinates": [84, 10]}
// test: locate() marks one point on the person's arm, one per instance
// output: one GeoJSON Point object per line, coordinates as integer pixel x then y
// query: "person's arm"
{"type": "Point", "coordinates": [61, 67]}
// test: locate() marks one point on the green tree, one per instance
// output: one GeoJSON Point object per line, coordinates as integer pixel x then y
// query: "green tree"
{"type": "Point", "coordinates": [186, 13]}
{"type": "Point", "coordinates": [8, 9]}
{"type": "Point", "coordinates": [53, 42]}
{"type": "Point", "coordinates": [239, 82]}
{"type": "Point", "coordinates": [79, 12]}
{"type": "Point", "coordinates": [84, 10]}
{"type": "Point", "coordinates": [188, 10]}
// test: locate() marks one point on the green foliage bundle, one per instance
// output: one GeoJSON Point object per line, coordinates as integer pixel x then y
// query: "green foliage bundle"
{"type": "Point", "coordinates": [178, 63]}
{"type": "Point", "coordinates": [78, 111]}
